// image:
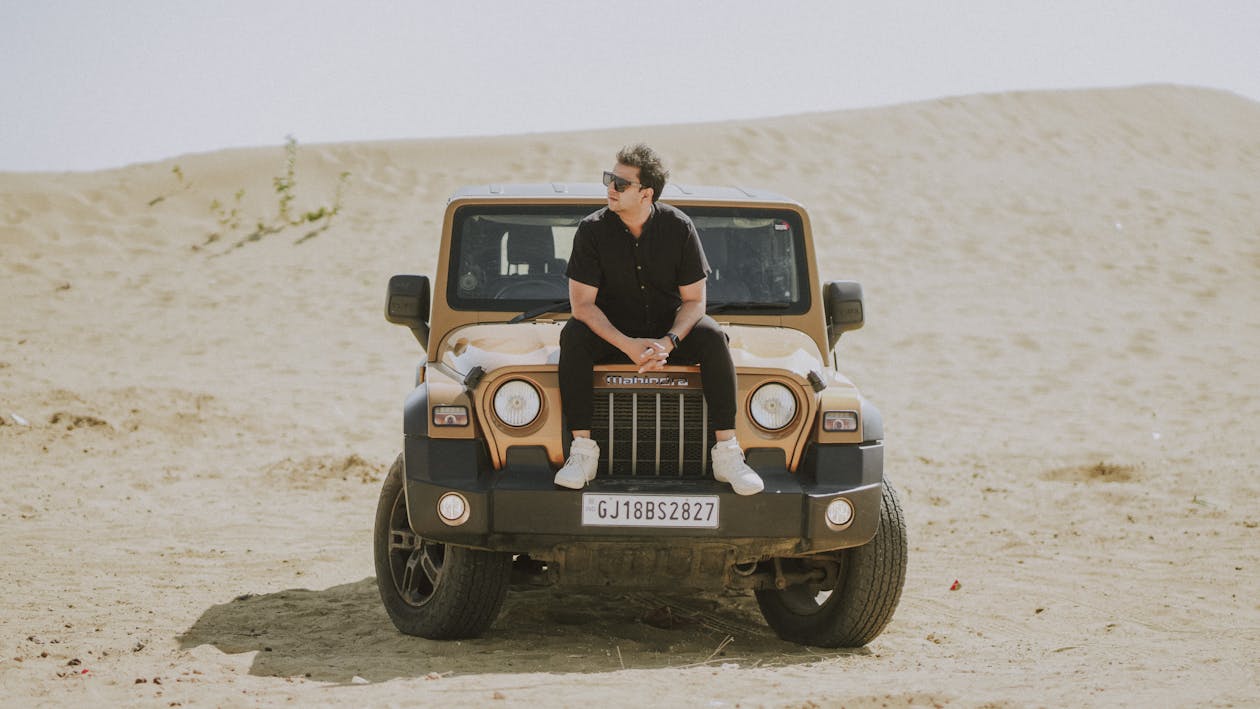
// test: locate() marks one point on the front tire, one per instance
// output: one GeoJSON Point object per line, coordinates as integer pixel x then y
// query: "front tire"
{"type": "Point", "coordinates": [433, 590]}
{"type": "Point", "coordinates": [866, 594]}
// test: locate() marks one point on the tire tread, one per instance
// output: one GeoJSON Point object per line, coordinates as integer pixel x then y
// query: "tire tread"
{"type": "Point", "coordinates": [870, 589]}
{"type": "Point", "coordinates": [473, 585]}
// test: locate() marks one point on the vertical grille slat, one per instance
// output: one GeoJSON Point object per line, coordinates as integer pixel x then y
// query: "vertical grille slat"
{"type": "Point", "coordinates": [657, 471]}
{"type": "Point", "coordinates": [667, 433]}
{"type": "Point", "coordinates": [704, 426]}
{"type": "Point", "coordinates": [682, 446]}
{"type": "Point", "coordinates": [607, 462]}
{"type": "Point", "coordinates": [634, 431]}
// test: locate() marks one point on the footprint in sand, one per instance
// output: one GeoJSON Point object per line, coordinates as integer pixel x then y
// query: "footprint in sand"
{"type": "Point", "coordinates": [1096, 473]}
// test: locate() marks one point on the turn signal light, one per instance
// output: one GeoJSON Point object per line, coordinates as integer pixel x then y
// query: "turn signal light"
{"type": "Point", "coordinates": [450, 416]}
{"type": "Point", "coordinates": [838, 421]}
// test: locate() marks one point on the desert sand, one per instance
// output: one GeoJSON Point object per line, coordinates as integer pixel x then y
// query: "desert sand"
{"type": "Point", "coordinates": [1063, 320]}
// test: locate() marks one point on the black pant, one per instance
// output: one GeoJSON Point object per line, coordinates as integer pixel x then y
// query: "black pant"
{"type": "Point", "coordinates": [705, 345]}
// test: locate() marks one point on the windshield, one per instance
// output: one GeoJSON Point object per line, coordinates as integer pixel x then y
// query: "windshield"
{"type": "Point", "coordinates": [513, 258]}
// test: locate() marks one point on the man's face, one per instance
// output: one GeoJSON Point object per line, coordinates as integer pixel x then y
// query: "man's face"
{"type": "Point", "coordinates": [633, 197]}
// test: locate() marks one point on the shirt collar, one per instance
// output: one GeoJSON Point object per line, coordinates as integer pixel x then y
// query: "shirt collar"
{"type": "Point", "coordinates": [615, 218]}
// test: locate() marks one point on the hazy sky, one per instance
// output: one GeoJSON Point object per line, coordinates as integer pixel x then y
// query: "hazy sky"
{"type": "Point", "coordinates": [86, 85]}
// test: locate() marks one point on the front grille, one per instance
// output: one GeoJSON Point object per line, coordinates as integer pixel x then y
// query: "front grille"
{"type": "Point", "coordinates": [652, 433]}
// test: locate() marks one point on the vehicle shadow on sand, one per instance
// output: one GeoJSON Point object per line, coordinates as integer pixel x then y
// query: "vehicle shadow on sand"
{"type": "Point", "coordinates": [342, 632]}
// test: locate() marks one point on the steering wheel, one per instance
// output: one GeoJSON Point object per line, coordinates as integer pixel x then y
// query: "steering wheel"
{"type": "Point", "coordinates": [535, 288]}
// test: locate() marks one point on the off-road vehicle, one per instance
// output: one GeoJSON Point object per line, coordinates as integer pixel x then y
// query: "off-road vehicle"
{"type": "Point", "coordinates": [470, 507]}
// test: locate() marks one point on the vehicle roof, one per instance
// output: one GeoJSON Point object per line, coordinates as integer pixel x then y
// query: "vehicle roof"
{"type": "Point", "coordinates": [593, 190]}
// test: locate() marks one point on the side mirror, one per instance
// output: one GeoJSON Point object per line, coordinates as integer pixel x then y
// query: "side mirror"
{"type": "Point", "coordinates": [407, 303]}
{"type": "Point", "coordinates": [843, 303]}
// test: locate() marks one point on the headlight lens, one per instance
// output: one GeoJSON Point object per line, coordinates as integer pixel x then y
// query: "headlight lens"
{"type": "Point", "coordinates": [517, 404]}
{"type": "Point", "coordinates": [773, 406]}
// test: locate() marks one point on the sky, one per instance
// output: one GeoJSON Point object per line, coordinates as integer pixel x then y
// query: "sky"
{"type": "Point", "coordinates": [86, 85]}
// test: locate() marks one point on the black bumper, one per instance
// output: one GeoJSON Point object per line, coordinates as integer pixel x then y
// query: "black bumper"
{"type": "Point", "coordinates": [519, 509]}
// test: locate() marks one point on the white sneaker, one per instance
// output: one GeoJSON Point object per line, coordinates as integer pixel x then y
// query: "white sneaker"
{"type": "Point", "coordinates": [729, 467]}
{"type": "Point", "coordinates": [580, 468]}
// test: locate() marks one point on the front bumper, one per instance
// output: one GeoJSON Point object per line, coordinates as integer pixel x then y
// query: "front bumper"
{"type": "Point", "coordinates": [519, 509]}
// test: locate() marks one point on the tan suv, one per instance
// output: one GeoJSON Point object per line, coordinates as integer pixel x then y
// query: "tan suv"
{"type": "Point", "coordinates": [470, 506]}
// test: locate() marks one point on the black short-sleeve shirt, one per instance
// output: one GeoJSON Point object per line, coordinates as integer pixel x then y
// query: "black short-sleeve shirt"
{"type": "Point", "coordinates": [638, 279]}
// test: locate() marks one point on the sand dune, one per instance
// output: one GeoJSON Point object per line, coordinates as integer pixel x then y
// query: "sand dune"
{"type": "Point", "coordinates": [1063, 313]}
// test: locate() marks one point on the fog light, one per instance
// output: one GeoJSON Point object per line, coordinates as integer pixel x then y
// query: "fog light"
{"type": "Point", "coordinates": [840, 421]}
{"type": "Point", "coordinates": [839, 513]}
{"type": "Point", "coordinates": [453, 508]}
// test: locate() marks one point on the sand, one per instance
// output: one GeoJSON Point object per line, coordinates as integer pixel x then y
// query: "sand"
{"type": "Point", "coordinates": [1063, 316]}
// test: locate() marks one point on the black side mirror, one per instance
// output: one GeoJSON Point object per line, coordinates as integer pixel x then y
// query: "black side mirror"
{"type": "Point", "coordinates": [407, 303]}
{"type": "Point", "coordinates": [843, 303]}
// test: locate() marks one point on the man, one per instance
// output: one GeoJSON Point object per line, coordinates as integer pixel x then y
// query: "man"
{"type": "Point", "coordinates": [637, 289]}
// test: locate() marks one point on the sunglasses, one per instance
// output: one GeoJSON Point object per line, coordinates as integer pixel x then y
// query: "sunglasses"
{"type": "Point", "coordinates": [618, 183]}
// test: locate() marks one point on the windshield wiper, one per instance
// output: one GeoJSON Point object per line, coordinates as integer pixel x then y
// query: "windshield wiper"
{"type": "Point", "coordinates": [560, 306]}
{"type": "Point", "coordinates": [721, 307]}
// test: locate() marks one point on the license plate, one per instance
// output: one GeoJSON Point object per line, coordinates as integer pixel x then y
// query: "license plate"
{"type": "Point", "coordinates": [631, 510]}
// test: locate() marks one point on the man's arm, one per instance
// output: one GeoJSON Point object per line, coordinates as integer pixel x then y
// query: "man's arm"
{"type": "Point", "coordinates": [691, 310]}
{"type": "Point", "coordinates": [685, 318]}
{"type": "Point", "coordinates": [640, 350]}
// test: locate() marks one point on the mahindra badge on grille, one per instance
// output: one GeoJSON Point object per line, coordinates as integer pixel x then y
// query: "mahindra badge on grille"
{"type": "Point", "coordinates": [645, 380]}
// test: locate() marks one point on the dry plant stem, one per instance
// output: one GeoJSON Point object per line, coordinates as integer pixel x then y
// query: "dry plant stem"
{"type": "Point", "coordinates": [722, 646]}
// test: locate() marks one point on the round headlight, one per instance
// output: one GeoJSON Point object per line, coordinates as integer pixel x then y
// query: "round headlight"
{"type": "Point", "coordinates": [773, 406]}
{"type": "Point", "coordinates": [517, 404]}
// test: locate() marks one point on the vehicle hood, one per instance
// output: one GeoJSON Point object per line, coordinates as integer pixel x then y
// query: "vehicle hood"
{"type": "Point", "coordinates": [495, 345]}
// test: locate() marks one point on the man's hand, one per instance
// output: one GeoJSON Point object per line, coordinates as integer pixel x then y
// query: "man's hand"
{"type": "Point", "coordinates": [649, 355]}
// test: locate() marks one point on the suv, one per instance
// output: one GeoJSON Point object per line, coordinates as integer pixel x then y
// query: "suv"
{"type": "Point", "coordinates": [470, 508]}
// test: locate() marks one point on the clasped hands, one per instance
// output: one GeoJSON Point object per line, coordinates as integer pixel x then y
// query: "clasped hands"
{"type": "Point", "coordinates": [650, 355]}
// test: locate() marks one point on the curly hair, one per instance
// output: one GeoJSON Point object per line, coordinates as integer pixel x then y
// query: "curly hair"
{"type": "Point", "coordinates": [652, 172]}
